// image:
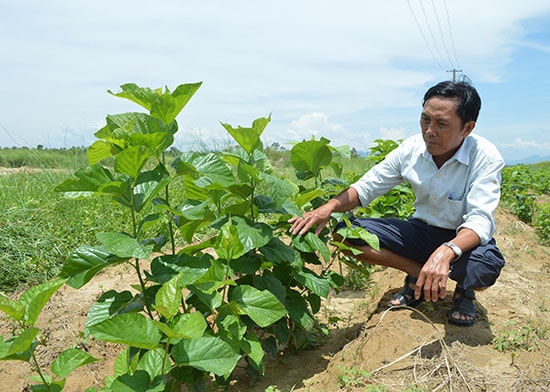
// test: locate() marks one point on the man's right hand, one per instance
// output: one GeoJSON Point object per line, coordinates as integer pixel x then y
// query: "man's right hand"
{"type": "Point", "coordinates": [317, 218]}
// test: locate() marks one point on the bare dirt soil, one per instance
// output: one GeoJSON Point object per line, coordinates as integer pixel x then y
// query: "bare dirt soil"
{"type": "Point", "coordinates": [404, 350]}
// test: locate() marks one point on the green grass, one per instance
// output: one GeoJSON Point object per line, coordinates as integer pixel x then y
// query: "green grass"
{"type": "Point", "coordinates": [39, 228]}
{"type": "Point", "coordinates": [43, 158]}
{"type": "Point", "coordinates": [523, 337]}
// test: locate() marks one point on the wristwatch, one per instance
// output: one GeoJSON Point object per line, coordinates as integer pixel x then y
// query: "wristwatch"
{"type": "Point", "coordinates": [456, 249]}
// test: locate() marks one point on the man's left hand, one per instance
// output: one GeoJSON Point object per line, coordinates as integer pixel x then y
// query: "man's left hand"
{"type": "Point", "coordinates": [434, 274]}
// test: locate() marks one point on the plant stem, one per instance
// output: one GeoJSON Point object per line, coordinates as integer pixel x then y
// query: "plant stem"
{"type": "Point", "coordinates": [143, 288]}
{"type": "Point", "coordinates": [35, 360]}
{"type": "Point", "coordinates": [170, 228]}
{"type": "Point", "coordinates": [252, 202]}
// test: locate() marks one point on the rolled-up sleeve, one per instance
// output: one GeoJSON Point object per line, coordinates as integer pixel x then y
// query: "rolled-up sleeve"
{"type": "Point", "coordinates": [482, 199]}
{"type": "Point", "coordinates": [380, 178]}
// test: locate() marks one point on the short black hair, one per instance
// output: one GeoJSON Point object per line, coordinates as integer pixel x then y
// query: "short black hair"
{"type": "Point", "coordinates": [469, 102]}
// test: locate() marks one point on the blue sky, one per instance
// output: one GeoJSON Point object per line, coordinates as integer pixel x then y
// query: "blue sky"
{"type": "Point", "coordinates": [352, 71]}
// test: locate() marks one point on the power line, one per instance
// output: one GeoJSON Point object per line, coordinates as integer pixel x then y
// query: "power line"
{"type": "Point", "coordinates": [451, 33]}
{"type": "Point", "coordinates": [441, 34]}
{"type": "Point", "coordinates": [424, 36]}
{"type": "Point", "coordinates": [431, 33]}
{"type": "Point", "coordinates": [433, 45]}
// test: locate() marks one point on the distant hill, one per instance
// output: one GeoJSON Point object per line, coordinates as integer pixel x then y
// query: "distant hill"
{"type": "Point", "coordinates": [529, 160]}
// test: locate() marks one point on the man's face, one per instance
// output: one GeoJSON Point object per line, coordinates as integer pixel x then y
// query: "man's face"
{"type": "Point", "coordinates": [442, 128]}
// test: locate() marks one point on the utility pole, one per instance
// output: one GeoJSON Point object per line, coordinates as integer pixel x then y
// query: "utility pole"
{"type": "Point", "coordinates": [454, 71]}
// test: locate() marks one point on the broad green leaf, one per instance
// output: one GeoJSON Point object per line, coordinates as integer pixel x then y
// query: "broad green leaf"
{"type": "Point", "coordinates": [228, 244]}
{"type": "Point", "coordinates": [310, 156]}
{"type": "Point", "coordinates": [12, 308]}
{"type": "Point", "coordinates": [231, 326]}
{"type": "Point", "coordinates": [248, 173]}
{"type": "Point", "coordinates": [124, 246]}
{"type": "Point", "coordinates": [247, 264]}
{"type": "Point", "coordinates": [276, 251]}
{"type": "Point", "coordinates": [70, 360]}
{"type": "Point", "coordinates": [194, 192]}
{"type": "Point", "coordinates": [205, 293]}
{"type": "Point", "coordinates": [338, 169]}
{"type": "Point", "coordinates": [249, 138]}
{"type": "Point", "coordinates": [88, 182]}
{"type": "Point", "coordinates": [100, 150]}
{"type": "Point", "coordinates": [135, 129]}
{"type": "Point", "coordinates": [51, 386]}
{"type": "Point", "coordinates": [188, 268]}
{"type": "Point", "coordinates": [344, 150]}
{"type": "Point", "coordinates": [314, 302]}
{"type": "Point", "coordinates": [149, 221]}
{"type": "Point", "coordinates": [129, 328]}
{"type": "Point", "coordinates": [108, 305]}
{"type": "Point", "coordinates": [168, 298]}
{"type": "Point", "coordinates": [289, 207]}
{"type": "Point", "coordinates": [143, 96]}
{"type": "Point", "coordinates": [132, 128]}
{"type": "Point", "coordinates": [282, 332]}
{"type": "Point", "coordinates": [122, 363]}
{"type": "Point", "coordinates": [119, 191]}
{"type": "Point", "coordinates": [163, 105]}
{"type": "Point", "coordinates": [252, 235]}
{"type": "Point", "coordinates": [86, 261]}
{"type": "Point", "coordinates": [155, 362]}
{"type": "Point", "coordinates": [35, 298]}
{"type": "Point", "coordinates": [212, 167]}
{"type": "Point", "coordinates": [148, 185]}
{"type": "Point", "coordinates": [209, 354]}
{"type": "Point", "coordinates": [360, 233]}
{"type": "Point", "coordinates": [253, 348]}
{"type": "Point", "coordinates": [316, 284]}
{"type": "Point", "coordinates": [310, 243]}
{"type": "Point", "coordinates": [279, 190]}
{"type": "Point", "coordinates": [303, 198]}
{"type": "Point", "coordinates": [189, 228]}
{"type": "Point", "coordinates": [184, 326]}
{"type": "Point", "coordinates": [298, 310]}
{"type": "Point", "coordinates": [139, 381]}
{"type": "Point", "coordinates": [17, 344]}
{"type": "Point", "coordinates": [241, 190]}
{"type": "Point", "coordinates": [195, 212]}
{"type": "Point", "coordinates": [268, 281]}
{"type": "Point", "coordinates": [185, 168]}
{"type": "Point", "coordinates": [131, 160]}
{"type": "Point", "coordinates": [154, 143]}
{"type": "Point", "coordinates": [264, 204]}
{"type": "Point", "coordinates": [261, 306]}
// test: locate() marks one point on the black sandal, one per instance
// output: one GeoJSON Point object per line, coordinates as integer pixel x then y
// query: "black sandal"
{"type": "Point", "coordinates": [405, 296]}
{"type": "Point", "coordinates": [463, 303]}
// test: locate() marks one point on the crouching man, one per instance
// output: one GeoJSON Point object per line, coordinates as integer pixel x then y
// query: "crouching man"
{"type": "Point", "coordinates": [456, 177]}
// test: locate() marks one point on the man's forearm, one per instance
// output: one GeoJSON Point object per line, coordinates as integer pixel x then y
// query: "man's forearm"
{"type": "Point", "coordinates": [344, 201]}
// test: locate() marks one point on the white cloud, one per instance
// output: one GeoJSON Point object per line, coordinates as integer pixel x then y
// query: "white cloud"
{"type": "Point", "coordinates": [392, 133]}
{"type": "Point", "coordinates": [533, 145]}
{"type": "Point", "coordinates": [318, 125]}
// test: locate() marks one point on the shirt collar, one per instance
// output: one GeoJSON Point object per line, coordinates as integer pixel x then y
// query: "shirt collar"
{"type": "Point", "coordinates": [462, 155]}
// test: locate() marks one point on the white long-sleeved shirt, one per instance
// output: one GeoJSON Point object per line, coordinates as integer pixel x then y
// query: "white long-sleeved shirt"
{"type": "Point", "coordinates": [463, 193]}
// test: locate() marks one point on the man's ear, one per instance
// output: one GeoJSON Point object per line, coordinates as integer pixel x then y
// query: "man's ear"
{"type": "Point", "coordinates": [468, 128]}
